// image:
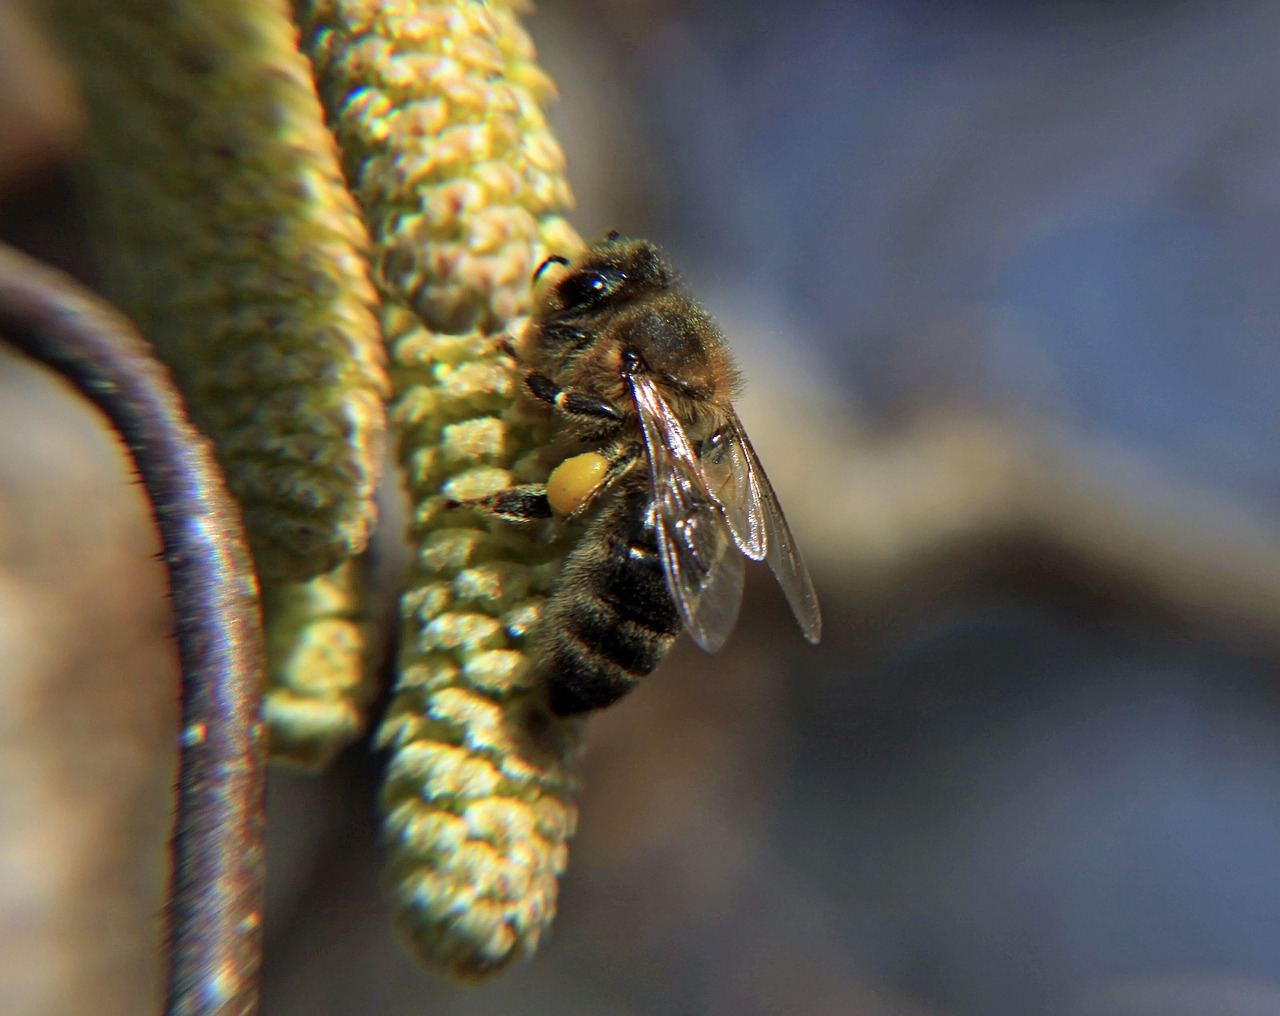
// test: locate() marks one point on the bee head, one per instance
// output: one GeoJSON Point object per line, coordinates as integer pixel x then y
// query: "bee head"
{"type": "Point", "coordinates": [605, 276]}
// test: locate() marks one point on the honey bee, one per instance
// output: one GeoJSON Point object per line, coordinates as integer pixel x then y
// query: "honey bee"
{"type": "Point", "coordinates": [675, 495]}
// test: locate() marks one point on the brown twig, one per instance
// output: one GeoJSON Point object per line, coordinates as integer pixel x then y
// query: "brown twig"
{"type": "Point", "coordinates": [215, 893]}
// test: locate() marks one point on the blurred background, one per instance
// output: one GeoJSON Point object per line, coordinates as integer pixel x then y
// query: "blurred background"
{"type": "Point", "coordinates": [1003, 277]}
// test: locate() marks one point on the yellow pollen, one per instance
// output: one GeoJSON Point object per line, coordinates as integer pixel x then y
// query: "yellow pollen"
{"type": "Point", "coordinates": [574, 481]}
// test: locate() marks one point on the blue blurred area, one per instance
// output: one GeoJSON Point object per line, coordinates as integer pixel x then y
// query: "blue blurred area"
{"type": "Point", "coordinates": [1106, 172]}
{"type": "Point", "coordinates": [1162, 327]}
{"type": "Point", "coordinates": [1010, 808]}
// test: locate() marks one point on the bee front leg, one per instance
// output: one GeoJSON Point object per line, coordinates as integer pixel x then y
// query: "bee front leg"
{"type": "Point", "coordinates": [525, 503]}
{"type": "Point", "coordinates": [578, 406]}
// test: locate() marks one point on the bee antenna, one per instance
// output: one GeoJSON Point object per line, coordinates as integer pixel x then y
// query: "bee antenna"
{"type": "Point", "coordinates": [554, 259]}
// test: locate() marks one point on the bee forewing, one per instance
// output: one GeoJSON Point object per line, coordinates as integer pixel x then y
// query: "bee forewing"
{"type": "Point", "coordinates": [700, 558]}
{"type": "Point", "coordinates": [781, 554]}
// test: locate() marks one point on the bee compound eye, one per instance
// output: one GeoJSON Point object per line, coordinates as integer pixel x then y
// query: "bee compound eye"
{"type": "Point", "coordinates": [585, 289]}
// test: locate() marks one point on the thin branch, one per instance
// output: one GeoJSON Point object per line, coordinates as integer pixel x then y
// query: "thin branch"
{"type": "Point", "coordinates": [215, 894]}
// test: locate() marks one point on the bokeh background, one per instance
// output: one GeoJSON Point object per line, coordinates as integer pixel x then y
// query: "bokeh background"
{"type": "Point", "coordinates": [1004, 277]}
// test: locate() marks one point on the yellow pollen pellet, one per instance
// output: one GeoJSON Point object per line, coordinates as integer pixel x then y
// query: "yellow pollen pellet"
{"type": "Point", "coordinates": [574, 481]}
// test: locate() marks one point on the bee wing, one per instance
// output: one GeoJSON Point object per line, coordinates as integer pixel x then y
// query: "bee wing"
{"type": "Point", "coordinates": [699, 555]}
{"type": "Point", "coordinates": [751, 508]}
{"type": "Point", "coordinates": [731, 480]}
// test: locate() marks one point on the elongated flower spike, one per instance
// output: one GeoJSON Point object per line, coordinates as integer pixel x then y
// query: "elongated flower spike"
{"type": "Point", "coordinates": [437, 108]}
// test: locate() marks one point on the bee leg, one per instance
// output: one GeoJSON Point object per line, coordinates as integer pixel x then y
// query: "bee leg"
{"type": "Point", "coordinates": [621, 458]}
{"type": "Point", "coordinates": [525, 503]}
{"type": "Point", "coordinates": [575, 405]}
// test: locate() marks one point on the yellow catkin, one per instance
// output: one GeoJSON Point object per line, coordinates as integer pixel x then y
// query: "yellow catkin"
{"type": "Point", "coordinates": [229, 235]}
{"type": "Point", "coordinates": [437, 108]}
{"type": "Point", "coordinates": [230, 238]}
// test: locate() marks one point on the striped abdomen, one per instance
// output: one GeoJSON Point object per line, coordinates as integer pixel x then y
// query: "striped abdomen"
{"type": "Point", "coordinates": [611, 621]}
